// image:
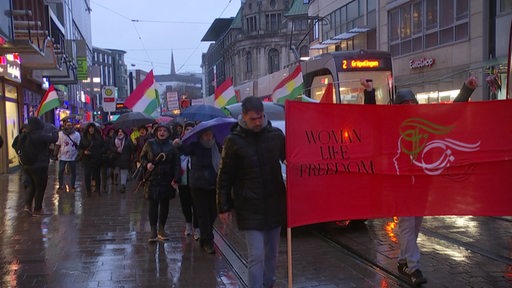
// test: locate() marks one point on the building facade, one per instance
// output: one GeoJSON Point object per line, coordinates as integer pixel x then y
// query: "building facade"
{"type": "Point", "coordinates": [41, 43]}
{"type": "Point", "coordinates": [435, 45]}
{"type": "Point", "coordinates": [263, 38]}
{"type": "Point", "coordinates": [110, 68]}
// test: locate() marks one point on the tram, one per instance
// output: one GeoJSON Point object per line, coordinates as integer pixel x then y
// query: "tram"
{"type": "Point", "coordinates": [345, 69]}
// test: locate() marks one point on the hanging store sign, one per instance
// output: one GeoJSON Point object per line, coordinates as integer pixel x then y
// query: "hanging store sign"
{"type": "Point", "coordinates": [81, 68]}
{"type": "Point", "coordinates": [422, 62]}
{"type": "Point", "coordinates": [10, 67]}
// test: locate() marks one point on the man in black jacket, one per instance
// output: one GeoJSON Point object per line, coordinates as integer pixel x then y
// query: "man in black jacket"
{"type": "Point", "coordinates": [250, 167]}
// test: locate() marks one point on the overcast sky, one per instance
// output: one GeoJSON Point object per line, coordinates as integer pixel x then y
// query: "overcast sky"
{"type": "Point", "coordinates": [149, 30]}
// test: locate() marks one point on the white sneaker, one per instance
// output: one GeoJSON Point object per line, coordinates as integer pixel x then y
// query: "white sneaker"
{"type": "Point", "coordinates": [197, 234]}
{"type": "Point", "coordinates": [188, 229]}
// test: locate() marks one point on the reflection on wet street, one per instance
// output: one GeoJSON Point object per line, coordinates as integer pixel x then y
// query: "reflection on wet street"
{"type": "Point", "coordinates": [102, 242]}
{"type": "Point", "coordinates": [97, 242]}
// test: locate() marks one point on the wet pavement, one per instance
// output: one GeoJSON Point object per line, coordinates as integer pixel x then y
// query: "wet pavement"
{"type": "Point", "coordinates": [97, 242]}
{"type": "Point", "coordinates": [102, 242]}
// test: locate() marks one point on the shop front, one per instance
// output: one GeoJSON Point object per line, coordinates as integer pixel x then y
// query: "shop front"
{"type": "Point", "coordinates": [437, 76]}
{"type": "Point", "coordinates": [10, 85]}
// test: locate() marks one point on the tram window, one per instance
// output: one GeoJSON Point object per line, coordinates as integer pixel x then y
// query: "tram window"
{"type": "Point", "coordinates": [318, 86]}
{"type": "Point", "coordinates": [351, 91]}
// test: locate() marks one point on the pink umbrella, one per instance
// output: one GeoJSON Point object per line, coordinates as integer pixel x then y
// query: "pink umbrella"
{"type": "Point", "coordinates": [164, 119]}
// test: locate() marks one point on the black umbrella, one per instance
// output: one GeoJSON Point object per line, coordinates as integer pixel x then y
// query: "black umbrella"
{"type": "Point", "coordinates": [202, 112]}
{"type": "Point", "coordinates": [132, 120]}
{"type": "Point", "coordinates": [273, 111]}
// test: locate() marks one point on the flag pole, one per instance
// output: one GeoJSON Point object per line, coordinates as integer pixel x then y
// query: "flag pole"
{"type": "Point", "coordinates": [289, 244]}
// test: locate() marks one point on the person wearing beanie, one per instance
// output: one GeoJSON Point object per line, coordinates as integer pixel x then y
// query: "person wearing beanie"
{"type": "Point", "coordinates": [162, 173]}
{"type": "Point", "coordinates": [409, 227]}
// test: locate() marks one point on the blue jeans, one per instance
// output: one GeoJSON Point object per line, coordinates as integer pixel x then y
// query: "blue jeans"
{"type": "Point", "coordinates": [72, 171]}
{"type": "Point", "coordinates": [263, 247]}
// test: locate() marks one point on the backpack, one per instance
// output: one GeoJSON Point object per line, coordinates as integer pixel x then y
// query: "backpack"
{"type": "Point", "coordinates": [26, 150]}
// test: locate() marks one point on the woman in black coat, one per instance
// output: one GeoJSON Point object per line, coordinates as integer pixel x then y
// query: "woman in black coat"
{"type": "Point", "coordinates": [204, 161]}
{"type": "Point", "coordinates": [124, 149]}
{"type": "Point", "coordinates": [162, 165]}
{"type": "Point", "coordinates": [92, 147]}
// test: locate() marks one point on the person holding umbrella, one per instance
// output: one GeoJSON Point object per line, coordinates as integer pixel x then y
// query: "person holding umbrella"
{"type": "Point", "coordinates": [204, 165]}
{"type": "Point", "coordinates": [162, 164]}
{"type": "Point", "coordinates": [187, 205]}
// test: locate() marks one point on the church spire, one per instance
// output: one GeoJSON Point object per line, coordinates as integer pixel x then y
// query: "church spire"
{"type": "Point", "coordinates": [173, 69]}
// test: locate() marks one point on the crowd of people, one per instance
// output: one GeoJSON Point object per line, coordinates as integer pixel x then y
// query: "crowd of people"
{"type": "Point", "coordinates": [212, 179]}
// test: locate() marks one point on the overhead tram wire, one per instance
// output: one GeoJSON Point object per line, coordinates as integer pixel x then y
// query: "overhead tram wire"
{"type": "Point", "coordinates": [159, 21]}
{"type": "Point", "coordinates": [197, 47]}
{"type": "Point", "coordinates": [136, 31]}
{"type": "Point", "coordinates": [143, 46]}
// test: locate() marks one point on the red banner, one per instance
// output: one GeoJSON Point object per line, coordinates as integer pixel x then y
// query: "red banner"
{"type": "Point", "coordinates": [372, 161]}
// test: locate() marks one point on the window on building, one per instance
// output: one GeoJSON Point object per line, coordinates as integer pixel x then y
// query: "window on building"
{"type": "Point", "coordinates": [304, 51]}
{"type": "Point", "coordinates": [505, 6]}
{"type": "Point", "coordinates": [316, 30]}
{"type": "Point", "coordinates": [251, 25]}
{"type": "Point", "coordinates": [411, 30]}
{"type": "Point", "coordinates": [350, 16]}
{"type": "Point", "coordinates": [300, 25]}
{"type": "Point", "coordinates": [273, 22]}
{"type": "Point", "coordinates": [273, 61]}
{"type": "Point", "coordinates": [248, 62]}
{"type": "Point", "coordinates": [431, 21]}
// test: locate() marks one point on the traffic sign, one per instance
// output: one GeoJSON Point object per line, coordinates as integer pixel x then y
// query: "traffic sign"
{"type": "Point", "coordinates": [109, 94]}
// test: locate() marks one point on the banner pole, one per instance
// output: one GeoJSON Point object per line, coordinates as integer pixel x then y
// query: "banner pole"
{"type": "Point", "coordinates": [289, 243]}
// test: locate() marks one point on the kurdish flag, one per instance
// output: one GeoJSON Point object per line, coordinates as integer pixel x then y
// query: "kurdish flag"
{"type": "Point", "coordinates": [50, 100]}
{"type": "Point", "coordinates": [145, 97]}
{"type": "Point", "coordinates": [290, 87]}
{"type": "Point", "coordinates": [225, 94]}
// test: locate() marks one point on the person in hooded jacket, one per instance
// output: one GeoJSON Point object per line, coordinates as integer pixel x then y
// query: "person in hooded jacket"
{"type": "Point", "coordinates": [37, 172]}
{"type": "Point", "coordinates": [162, 165]}
{"type": "Point", "coordinates": [92, 147]}
{"type": "Point", "coordinates": [107, 171]}
{"type": "Point", "coordinates": [250, 182]}
{"type": "Point", "coordinates": [124, 147]}
{"type": "Point", "coordinates": [14, 145]}
{"type": "Point", "coordinates": [409, 226]}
